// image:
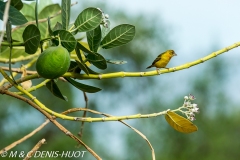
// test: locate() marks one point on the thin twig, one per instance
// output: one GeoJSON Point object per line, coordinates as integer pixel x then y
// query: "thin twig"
{"type": "Point", "coordinates": [24, 138]}
{"type": "Point", "coordinates": [51, 118]}
{"type": "Point", "coordinates": [80, 133]}
{"type": "Point", "coordinates": [108, 115]}
{"type": "Point", "coordinates": [35, 148]}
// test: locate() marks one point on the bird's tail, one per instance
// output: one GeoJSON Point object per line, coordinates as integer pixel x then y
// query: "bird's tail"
{"type": "Point", "coordinates": [149, 66]}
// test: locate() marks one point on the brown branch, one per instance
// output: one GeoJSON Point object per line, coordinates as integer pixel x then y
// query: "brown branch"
{"type": "Point", "coordinates": [80, 133]}
{"type": "Point", "coordinates": [24, 138]}
{"type": "Point", "coordinates": [51, 118]}
{"type": "Point", "coordinates": [35, 148]}
{"type": "Point", "coordinates": [18, 70]}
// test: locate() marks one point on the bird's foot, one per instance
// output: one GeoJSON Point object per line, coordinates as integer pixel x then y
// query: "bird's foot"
{"type": "Point", "coordinates": [158, 70]}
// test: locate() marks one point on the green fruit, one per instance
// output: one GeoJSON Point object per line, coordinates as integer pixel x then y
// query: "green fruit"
{"type": "Point", "coordinates": [53, 62]}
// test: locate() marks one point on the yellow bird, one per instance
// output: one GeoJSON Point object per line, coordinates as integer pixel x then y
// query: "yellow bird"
{"type": "Point", "coordinates": [162, 60]}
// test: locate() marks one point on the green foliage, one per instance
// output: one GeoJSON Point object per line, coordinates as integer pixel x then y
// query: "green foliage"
{"type": "Point", "coordinates": [52, 86]}
{"type": "Point", "coordinates": [67, 39]}
{"type": "Point", "coordinates": [119, 35]}
{"type": "Point", "coordinates": [88, 19]}
{"type": "Point", "coordinates": [94, 38]}
{"type": "Point", "coordinates": [17, 4]}
{"type": "Point", "coordinates": [66, 4]}
{"type": "Point", "coordinates": [16, 17]}
{"type": "Point", "coordinates": [31, 38]}
{"type": "Point", "coordinates": [83, 87]}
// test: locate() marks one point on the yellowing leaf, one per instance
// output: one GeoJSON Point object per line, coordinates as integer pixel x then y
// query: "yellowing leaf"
{"type": "Point", "coordinates": [82, 54]}
{"type": "Point", "coordinates": [180, 123]}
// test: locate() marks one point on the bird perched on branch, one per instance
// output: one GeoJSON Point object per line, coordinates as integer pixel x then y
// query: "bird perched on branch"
{"type": "Point", "coordinates": [162, 60]}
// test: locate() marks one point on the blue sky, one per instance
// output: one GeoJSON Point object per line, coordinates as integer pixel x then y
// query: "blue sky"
{"type": "Point", "coordinates": [197, 24]}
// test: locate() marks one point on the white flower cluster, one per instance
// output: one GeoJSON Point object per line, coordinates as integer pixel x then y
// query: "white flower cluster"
{"type": "Point", "coordinates": [191, 108]}
{"type": "Point", "coordinates": [105, 19]}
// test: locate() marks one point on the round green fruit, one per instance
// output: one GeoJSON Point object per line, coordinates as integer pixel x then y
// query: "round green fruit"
{"type": "Point", "coordinates": [53, 62]}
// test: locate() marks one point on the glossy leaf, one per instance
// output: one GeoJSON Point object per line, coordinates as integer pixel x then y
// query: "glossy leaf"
{"type": "Point", "coordinates": [48, 11]}
{"type": "Point", "coordinates": [84, 49]}
{"type": "Point", "coordinates": [49, 27]}
{"type": "Point", "coordinates": [31, 37]}
{"type": "Point", "coordinates": [180, 123]}
{"type": "Point", "coordinates": [83, 87]}
{"type": "Point", "coordinates": [42, 4]}
{"type": "Point", "coordinates": [92, 71]}
{"type": "Point", "coordinates": [74, 67]}
{"type": "Point", "coordinates": [94, 38]}
{"type": "Point", "coordinates": [52, 86]}
{"type": "Point", "coordinates": [17, 4]}
{"type": "Point", "coordinates": [115, 61]}
{"type": "Point", "coordinates": [97, 60]}
{"type": "Point", "coordinates": [58, 26]}
{"type": "Point", "coordinates": [36, 13]}
{"type": "Point", "coordinates": [83, 67]}
{"type": "Point", "coordinates": [28, 11]}
{"type": "Point", "coordinates": [16, 53]}
{"type": "Point", "coordinates": [67, 39]}
{"type": "Point", "coordinates": [66, 4]}
{"type": "Point", "coordinates": [16, 17]}
{"type": "Point", "coordinates": [88, 19]}
{"type": "Point", "coordinates": [119, 35]}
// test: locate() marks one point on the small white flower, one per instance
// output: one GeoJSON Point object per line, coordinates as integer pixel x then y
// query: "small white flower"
{"type": "Point", "coordinates": [106, 16]}
{"type": "Point", "coordinates": [186, 97]}
{"type": "Point", "coordinates": [187, 104]}
{"type": "Point", "coordinates": [191, 97]}
{"type": "Point", "coordinates": [192, 114]}
{"type": "Point", "coordinates": [194, 105]}
{"type": "Point", "coordinates": [192, 118]}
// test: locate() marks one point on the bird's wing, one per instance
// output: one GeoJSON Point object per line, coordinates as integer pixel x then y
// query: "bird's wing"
{"type": "Point", "coordinates": [158, 58]}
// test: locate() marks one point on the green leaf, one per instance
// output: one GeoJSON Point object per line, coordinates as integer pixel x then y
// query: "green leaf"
{"type": "Point", "coordinates": [36, 13]}
{"type": "Point", "coordinates": [115, 61]}
{"type": "Point", "coordinates": [28, 12]}
{"type": "Point", "coordinates": [88, 19]}
{"type": "Point", "coordinates": [83, 67]}
{"type": "Point", "coordinates": [97, 60]}
{"type": "Point", "coordinates": [92, 72]}
{"type": "Point", "coordinates": [58, 26]}
{"type": "Point", "coordinates": [16, 17]}
{"type": "Point", "coordinates": [94, 38]}
{"type": "Point", "coordinates": [43, 4]}
{"type": "Point", "coordinates": [16, 53]}
{"type": "Point", "coordinates": [49, 27]}
{"type": "Point", "coordinates": [74, 67]}
{"type": "Point", "coordinates": [67, 39]}
{"type": "Point", "coordinates": [66, 4]}
{"type": "Point", "coordinates": [119, 35]}
{"type": "Point", "coordinates": [77, 50]}
{"type": "Point", "coordinates": [83, 87]}
{"type": "Point", "coordinates": [52, 86]}
{"type": "Point", "coordinates": [48, 11]}
{"type": "Point", "coordinates": [17, 4]}
{"type": "Point", "coordinates": [81, 47]}
{"type": "Point", "coordinates": [31, 38]}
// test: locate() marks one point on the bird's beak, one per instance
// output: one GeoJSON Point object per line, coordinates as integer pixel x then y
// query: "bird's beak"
{"type": "Point", "coordinates": [174, 54]}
